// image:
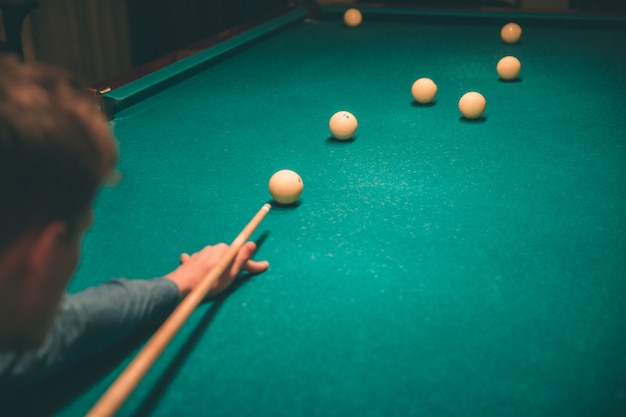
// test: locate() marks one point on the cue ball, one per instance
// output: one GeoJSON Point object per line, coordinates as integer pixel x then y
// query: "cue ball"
{"type": "Point", "coordinates": [511, 33]}
{"type": "Point", "coordinates": [352, 17]}
{"type": "Point", "coordinates": [285, 186]}
{"type": "Point", "coordinates": [508, 68]}
{"type": "Point", "coordinates": [343, 125]}
{"type": "Point", "coordinates": [472, 105]}
{"type": "Point", "coordinates": [424, 90]}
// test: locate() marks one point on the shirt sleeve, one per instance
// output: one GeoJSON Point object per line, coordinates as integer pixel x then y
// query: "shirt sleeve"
{"type": "Point", "coordinates": [88, 323]}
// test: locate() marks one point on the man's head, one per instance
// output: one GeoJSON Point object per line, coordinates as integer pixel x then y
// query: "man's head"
{"type": "Point", "coordinates": [56, 149]}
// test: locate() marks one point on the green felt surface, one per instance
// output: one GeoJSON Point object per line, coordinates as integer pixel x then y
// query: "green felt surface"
{"type": "Point", "coordinates": [435, 266]}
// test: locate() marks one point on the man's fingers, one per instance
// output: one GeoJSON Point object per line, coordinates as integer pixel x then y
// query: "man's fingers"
{"type": "Point", "coordinates": [210, 255]}
{"type": "Point", "coordinates": [256, 267]}
{"type": "Point", "coordinates": [243, 261]}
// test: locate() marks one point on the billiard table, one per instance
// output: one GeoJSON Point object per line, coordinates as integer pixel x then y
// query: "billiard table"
{"type": "Point", "coordinates": [434, 266]}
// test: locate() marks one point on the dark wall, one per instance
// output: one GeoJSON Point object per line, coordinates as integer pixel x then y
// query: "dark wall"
{"type": "Point", "coordinates": [159, 27]}
{"type": "Point", "coordinates": [599, 5]}
{"type": "Point", "coordinates": [448, 3]}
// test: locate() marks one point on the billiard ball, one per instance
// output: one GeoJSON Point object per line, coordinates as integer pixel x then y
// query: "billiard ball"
{"type": "Point", "coordinates": [352, 17]}
{"type": "Point", "coordinates": [424, 90]}
{"type": "Point", "coordinates": [343, 125]}
{"type": "Point", "coordinates": [285, 186]}
{"type": "Point", "coordinates": [511, 33]}
{"type": "Point", "coordinates": [508, 68]}
{"type": "Point", "coordinates": [472, 105]}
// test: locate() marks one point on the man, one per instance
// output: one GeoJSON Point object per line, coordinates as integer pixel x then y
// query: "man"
{"type": "Point", "coordinates": [56, 150]}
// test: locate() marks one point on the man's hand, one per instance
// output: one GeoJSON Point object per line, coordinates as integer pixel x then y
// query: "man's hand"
{"type": "Point", "coordinates": [194, 267]}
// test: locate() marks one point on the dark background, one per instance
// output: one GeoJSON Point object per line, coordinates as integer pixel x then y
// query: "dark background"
{"type": "Point", "coordinates": [105, 41]}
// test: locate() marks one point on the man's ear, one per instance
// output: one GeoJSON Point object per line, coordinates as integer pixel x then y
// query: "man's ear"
{"type": "Point", "coordinates": [44, 245]}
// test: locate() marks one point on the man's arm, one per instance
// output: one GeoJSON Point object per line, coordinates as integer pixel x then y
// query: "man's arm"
{"type": "Point", "coordinates": [89, 322]}
{"type": "Point", "coordinates": [98, 317]}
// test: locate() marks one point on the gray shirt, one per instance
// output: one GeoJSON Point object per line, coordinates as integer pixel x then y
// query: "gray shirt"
{"type": "Point", "coordinates": [89, 322]}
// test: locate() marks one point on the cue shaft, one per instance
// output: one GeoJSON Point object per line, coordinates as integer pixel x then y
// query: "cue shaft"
{"type": "Point", "coordinates": [123, 386]}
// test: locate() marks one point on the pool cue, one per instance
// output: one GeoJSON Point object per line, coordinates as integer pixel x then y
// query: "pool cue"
{"type": "Point", "coordinates": [126, 382]}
